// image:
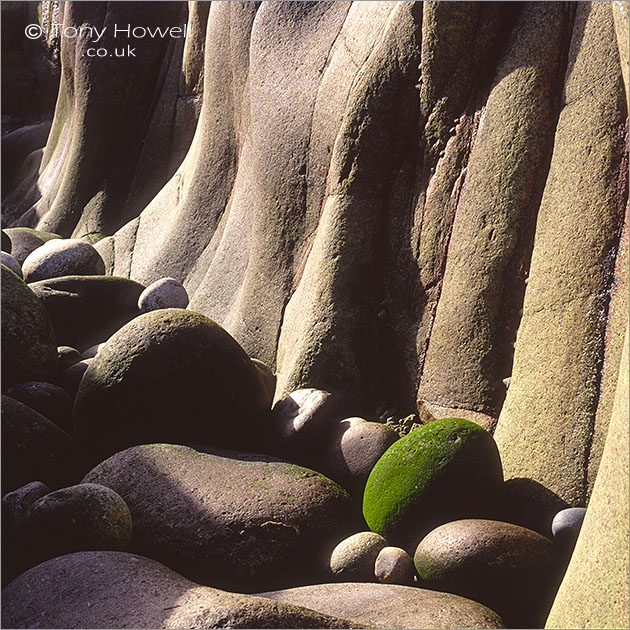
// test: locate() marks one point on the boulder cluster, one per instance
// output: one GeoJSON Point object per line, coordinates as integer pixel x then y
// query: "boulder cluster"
{"type": "Point", "coordinates": [153, 477]}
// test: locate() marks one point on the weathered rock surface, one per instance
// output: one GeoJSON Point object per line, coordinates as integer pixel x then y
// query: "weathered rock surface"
{"type": "Point", "coordinates": [171, 376]}
{"type": "Point", "coordinates": [390, 606]}
{"type": "Point", "coordinates": [354, 557]}
{"type": "Point", "coordinates": [508, 568]}
{"type": "Point", "coordinates": [35, 449]}
{"type": "Point", "coordinates": [29, 347]}
{"type": "Point", "coordinates": [109, 589]}
{"type": "Point", "coordinates": [63, 257]}
{"type": "Point", "coordinates": [594, 592]}
{"type": "Point", "coordinates": [230, 520]}
{"type": "Point", "coordinates": [70, 378]}
{"type": "Point", "coordinates": [442, 471]}
{"type": "Point", "coordinates": [86, 310]}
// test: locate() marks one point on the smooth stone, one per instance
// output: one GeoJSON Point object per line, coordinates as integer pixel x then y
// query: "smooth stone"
{"type": "Point", "coordinates": [353, 558]}
{"type": "Point", "coordinates": [86, 310]}
{"type": "Point", "coordinates": [353, 450]}
{"type": "Point", "coordinates": [301, 422]}
{"type": "Point", "coordinates": [442, 471]}
{"type": "Point", "coordinates": [232, 520]}
{"type": "Point", "coordinates": [84, 517]}
{"type": "Point", "coordinates": [268, 377]}
{"type": "Point", "coordinates": [163, 293]}
{"type": "Point", "coordinates": [114, 589]}
{"type": "Point", "coordinates": [71, 378]}
{"type": "Point", "coordinates": [566, 525]}
{"type": "Point", "coordinates": [48, 399]}
{"type": "Point", "coordinates": [26, 240]}
{"type": "Point", "coordinates": [6, 242]}
{"type": "Point", "coordinates": [509, 568]}
{"type": "Point", "coordinates": [67, 356]}
{"type": "Point", "coordinates": [12, 264]}
{"type": "Point", "coordinates": [29, 347]}
{"type": "Point", "coordinates": [173, 376]}
{"type": "Point", "coordinates": [63, 257]}
{"type": "Point", "coordinates": [34, 448]}
{"type": "Point", "coordinates": [394, 565]}
{"type": "Point", "coordinates": [390, 605]}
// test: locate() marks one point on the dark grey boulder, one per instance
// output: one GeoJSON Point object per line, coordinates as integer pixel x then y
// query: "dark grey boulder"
{"type": "Point", "coordinates": [10, 262]}
{"type": "Point", "coordinates": [6, 242]}
{"type": "Point", "coordinates": [50, 400]}
{"type": "Point", "coordinates": [509, 568]}
{"type": "Point", "coordinates": [34, 448]}
{"type": "Point", "coordinates": [390, 606]}
{"type": "Point", "coordinates": [171, 376]}
{"type": "Point", "coordinates": [353, 558]}
{"type": "Point", "coordinates": [63, 257]}
{"type": "Point", "coordinates": [352, 450]}
{"type": "Point", "coordinates": [394, 565]}
{"type": "Point", "coordinates": [25, 240]}
{"type": "Point", "coordinates": [29, 347]}
{"type": "Point", "coordinates": [114, 589]}
{"type": "Point", "coordinates": [84, 517]}
{"type": "Point", "coordinates": [86, 310]}
{"type": "Point", "coordinates": [71, 378]}
{"type": "Point", "coordinates": [233, 521]}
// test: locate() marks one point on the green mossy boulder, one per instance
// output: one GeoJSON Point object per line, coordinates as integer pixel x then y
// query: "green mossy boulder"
{"type": "Point", "coordinates": [29, 348]}
{"type": "Point", "coordinates": [442, 471]}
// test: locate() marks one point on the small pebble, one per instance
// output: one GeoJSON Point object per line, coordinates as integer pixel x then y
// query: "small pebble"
{"type": "Point", "coordinates": [566, 525]}
{"type": "Point", "coordinates": [163, 293]}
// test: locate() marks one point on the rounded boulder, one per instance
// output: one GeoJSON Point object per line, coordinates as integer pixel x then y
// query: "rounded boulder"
{"type": "Point", "coordinates": [29, 347]}
{"type": "Point", "coordinates": [394, 566]}
{"type": "Point", "coordinates": [442, 471]}
{"type": "Point", "coordinates": [509, 568]}
{"type": "Point", "coordinates": [231, 520]}
{"type": "Point", "coordinates": [63, 257]}
{"type": "Point", "coordinates": [12, 264]}
{"type": "Point", "coordinates": [163, 293]}
{"type": "Point", "coordinates": [84, 517]}
{"type": "Point", "coordinates": [50, 400]}
{"type": "Point", "coordinates": [171, 376]}
{"type": "Point", "coordinates": [25, 240]}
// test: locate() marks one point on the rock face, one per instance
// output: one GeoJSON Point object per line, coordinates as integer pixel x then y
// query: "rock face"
{"type": "Point", "coordinates": [171, 376]}
{"type": "Point", "coordinates": [508, 568]}
{"type": "Point", "coordinates": [109, 589]}
{"type": "Point", "coordinates": [594, 593]}
{"type": "Point", "coordinates": [63, 257]}
{"type": "Point", "coordinates": [86, 310]}
{"type": "Point", "coordinates": [391, 606]}
{"type": "Point", "coordinates": [442, 471]}
{"type": "Point", "coordinates": [234, 521]}
{"type": "Point", "coordinates": [29, 347]}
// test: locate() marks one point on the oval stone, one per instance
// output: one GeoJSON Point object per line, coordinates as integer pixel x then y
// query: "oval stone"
{"type": "Point", "coordinates": [353, 558]}
{"type": "Point", "coordinates": [163, 293]}
{"type": "Point", "coordinates": [230, 520]}
{"type": "Point", "coordinates": [509, 568]}
{"type": "Point", "coordinates": [171, 376]}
